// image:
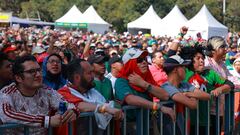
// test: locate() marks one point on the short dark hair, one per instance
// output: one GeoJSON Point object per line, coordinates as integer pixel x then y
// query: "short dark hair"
{"type": "Point", "coordinates": [3, 57]}
{"type": "Point", "coordinates": [168, 70]}
{"type": "Point", "coordinates": [74, 67]}
{"type": "Point", "coordinates": [17, 67]}
{"type": "Point", "coordinates": [154, 53]}
{"type": "Point", "coordinates": [188, 53]}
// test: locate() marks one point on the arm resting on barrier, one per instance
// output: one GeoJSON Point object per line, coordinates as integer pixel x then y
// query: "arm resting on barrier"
{"type": "Point", "coordinates": [141, 102]}
{"type": "Point", "coordinates": [222, 89]}
{"type": "Point", "coordinates": [189, 102]}
{"type": "Point", "coordinates": [198, 94]}
{"type": "Point", "coordinates": [155, 90]}
{"type": "Point", "coordinates": [86, 107]}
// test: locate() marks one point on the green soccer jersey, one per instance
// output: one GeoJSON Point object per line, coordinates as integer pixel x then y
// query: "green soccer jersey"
{"type": "Point", "coordinates": [105, 88]}
{"type": "Point", "coordinates": [212, 80]}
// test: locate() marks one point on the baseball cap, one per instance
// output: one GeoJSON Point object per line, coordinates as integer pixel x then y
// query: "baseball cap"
{"type": "Point", "coordinates": [37, 50]}
{"type": "Point", "coordinates": [114, 59]}
{"type": "Point", "coordinates": [175, 60]}
{"type": "Point", "coordinates": [96, 58]}
{"type": "Point", "coordinates": [9, 49]}
{"type": "Point", "coordinates": [133, 53]}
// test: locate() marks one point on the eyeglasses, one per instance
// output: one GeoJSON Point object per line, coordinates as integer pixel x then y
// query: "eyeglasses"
{"type": "Point", "coordinates": [33, 71]}
{"type": "Point", "coordinates": [141, 59]}
{"type": "Point", "coordinates": [54, 61]}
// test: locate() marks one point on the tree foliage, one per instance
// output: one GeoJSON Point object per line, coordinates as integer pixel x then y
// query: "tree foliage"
{"type": "Point", "coordinates": [120, 12]}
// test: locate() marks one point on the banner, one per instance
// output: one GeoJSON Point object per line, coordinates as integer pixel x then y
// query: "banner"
{"type": "Point", "coordinates": [5, 17]}
{"type": "Point", "coordinates": [72, 25]}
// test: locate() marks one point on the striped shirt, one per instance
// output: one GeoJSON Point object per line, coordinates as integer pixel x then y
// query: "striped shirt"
{"type": "Point", "coordinates": [31, 111]}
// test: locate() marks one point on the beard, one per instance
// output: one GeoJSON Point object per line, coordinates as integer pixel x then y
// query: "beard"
{"type": "Point", "coordinates": [87, 85]}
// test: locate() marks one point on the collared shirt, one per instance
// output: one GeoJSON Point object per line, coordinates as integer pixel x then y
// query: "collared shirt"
{"type": "Point", "coordinates": [104, 87]}
{"type": "Point", "coordinates": [112, 79]}
{"type": "Point", "coordinates": [158, 74]}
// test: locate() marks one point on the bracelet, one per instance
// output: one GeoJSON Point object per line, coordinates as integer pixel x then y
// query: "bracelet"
{"type": "Point", "coordinates": [102, 109]}
{"type": "Point", "coordinates": [155, 106]}
{"type": "Point", "coordinates": [149, 88]}
{"type": "Point", "coordinates": [46, 121]}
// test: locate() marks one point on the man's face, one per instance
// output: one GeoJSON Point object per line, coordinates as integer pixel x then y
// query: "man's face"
{"type": "Point", "coordinates": [6, 71]}
{"type": "Point", "coordinates": [142, 64]}
{"type": "Point", "coordinates": [117, 66]}
{"type": "Point", "coordinates": [31, 75]}
{"type": "Point", "coordinates": [99, 68]}
{"type": "Point", "coordinates": [181, 72]}
{"type": "Point", "coordinates": [87, 77]}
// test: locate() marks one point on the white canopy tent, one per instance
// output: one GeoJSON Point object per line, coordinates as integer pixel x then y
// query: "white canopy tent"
{"type": "Point", "coordinates": [72, 16]}
{"type": "Point", "coordinates": [94, 21]}
{"type": "Point", "coordinates": [206, 24]}
{"type": "Point", "coordinates": [148, 20]}
{"type": "Point", "coordinates": [171, 23]}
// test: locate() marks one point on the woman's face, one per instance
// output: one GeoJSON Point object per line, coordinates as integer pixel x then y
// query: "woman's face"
{"type": "Point", "coordinates": [237, 66]}
{"type": "Point", "coordinates": [221, 52]}
{"type": "Point", "coordinates": [142, 64]}
{"type": "Point", "coordinates": [198, 62]}
{"type": "Point", "coordinates": [54, 65]}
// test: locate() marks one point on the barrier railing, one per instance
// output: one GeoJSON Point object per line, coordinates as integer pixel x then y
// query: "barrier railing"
{"type": "Point", "coordinates": [143, 122]}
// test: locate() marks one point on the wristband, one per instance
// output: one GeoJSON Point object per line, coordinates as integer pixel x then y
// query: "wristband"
{"type": "Point", "coordinates": [155, 106]}
{"type": "Point", "coordinates": [46, 121]}
{"type": "Point", "coordinates": [149, 88]}
{"type": "Point", "coordinates": [102, 109]}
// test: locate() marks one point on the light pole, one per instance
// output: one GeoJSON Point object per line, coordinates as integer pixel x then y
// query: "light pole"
{"type": "Point", "coordinates": [224, 10]}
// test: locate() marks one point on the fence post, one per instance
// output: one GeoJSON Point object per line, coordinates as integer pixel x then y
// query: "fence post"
{"type": "Point", "coordinates": [232, 105]}
{"type": "Point", "coordinates": [161, 122]}
{"type": "Point", "coordinates": [124, 122]}
{"type": "Point", "coordinates": [146, 122]}
{"type": "Point", "coordinates": [208, 117]}
{"type": "Point", "coordinates": [186, 121]}
{"type": "Point", "coordinates": [217, 116]}
{"type": "Point", "coordinates": [139, 121]}
{"type": "Point", "coordinates": [26, 130]}
{"type": "Point", "coordinates": [227, 115]}
{"type": "Point", "coordinates": [90, 125]}
{"type": "Point", "coordinates": [197, 120]}
{"type": "Point", "coordinates": [174, 123]}
{"type": "Point", "coordinates": [69, 128]}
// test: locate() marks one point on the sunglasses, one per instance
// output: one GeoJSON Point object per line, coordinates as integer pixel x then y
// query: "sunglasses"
{"type": "Point", "coordinates": [141, 59]}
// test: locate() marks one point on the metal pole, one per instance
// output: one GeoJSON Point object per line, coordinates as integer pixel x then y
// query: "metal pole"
{"type": "Point", "coordinates": [217, 116]}
{"type": "Point", "coordinates": [224, 10]}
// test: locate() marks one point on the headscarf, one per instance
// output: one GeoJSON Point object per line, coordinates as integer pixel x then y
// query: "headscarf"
{"type": "Point", "coordinates": [131, 67]}
{"type": "Point", "coordinates": [54, 81]}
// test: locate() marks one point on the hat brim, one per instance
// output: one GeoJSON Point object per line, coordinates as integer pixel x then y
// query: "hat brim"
{"type": "Point", "coordinates": [101, 60]}
{"type": "Point", "coordinates": [185, 63]}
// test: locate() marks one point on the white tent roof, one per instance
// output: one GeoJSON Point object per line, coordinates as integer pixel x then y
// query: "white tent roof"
{"type": "Point", "coordinates": [171, 23]}
{"type": "Point", "coordinates": [91, 16]}
{"type": "Point", "coordinates": [72, 16]}
{"type": "Point", "coordinates": [206, 24]}
{"type": "Point", "coordinates": [146, 21]}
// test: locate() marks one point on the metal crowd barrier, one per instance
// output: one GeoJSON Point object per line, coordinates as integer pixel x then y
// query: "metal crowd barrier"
{"type": "Point", "coordinates": [143, 116]}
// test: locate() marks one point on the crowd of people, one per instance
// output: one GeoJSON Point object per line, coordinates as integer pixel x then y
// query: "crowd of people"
{"type": "Point", "coordinates": [100, 73]}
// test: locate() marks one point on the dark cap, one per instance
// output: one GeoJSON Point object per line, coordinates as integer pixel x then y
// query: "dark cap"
{"type": "Point", "coordinates": [175, 61]}
{"type": "Point", "coordinates": [96, 58]}
{"type": "Point", "coordinates": [114, 59]}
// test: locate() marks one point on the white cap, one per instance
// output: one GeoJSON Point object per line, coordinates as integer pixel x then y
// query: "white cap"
{"type": "Point", "coordinates": [132, 53]}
